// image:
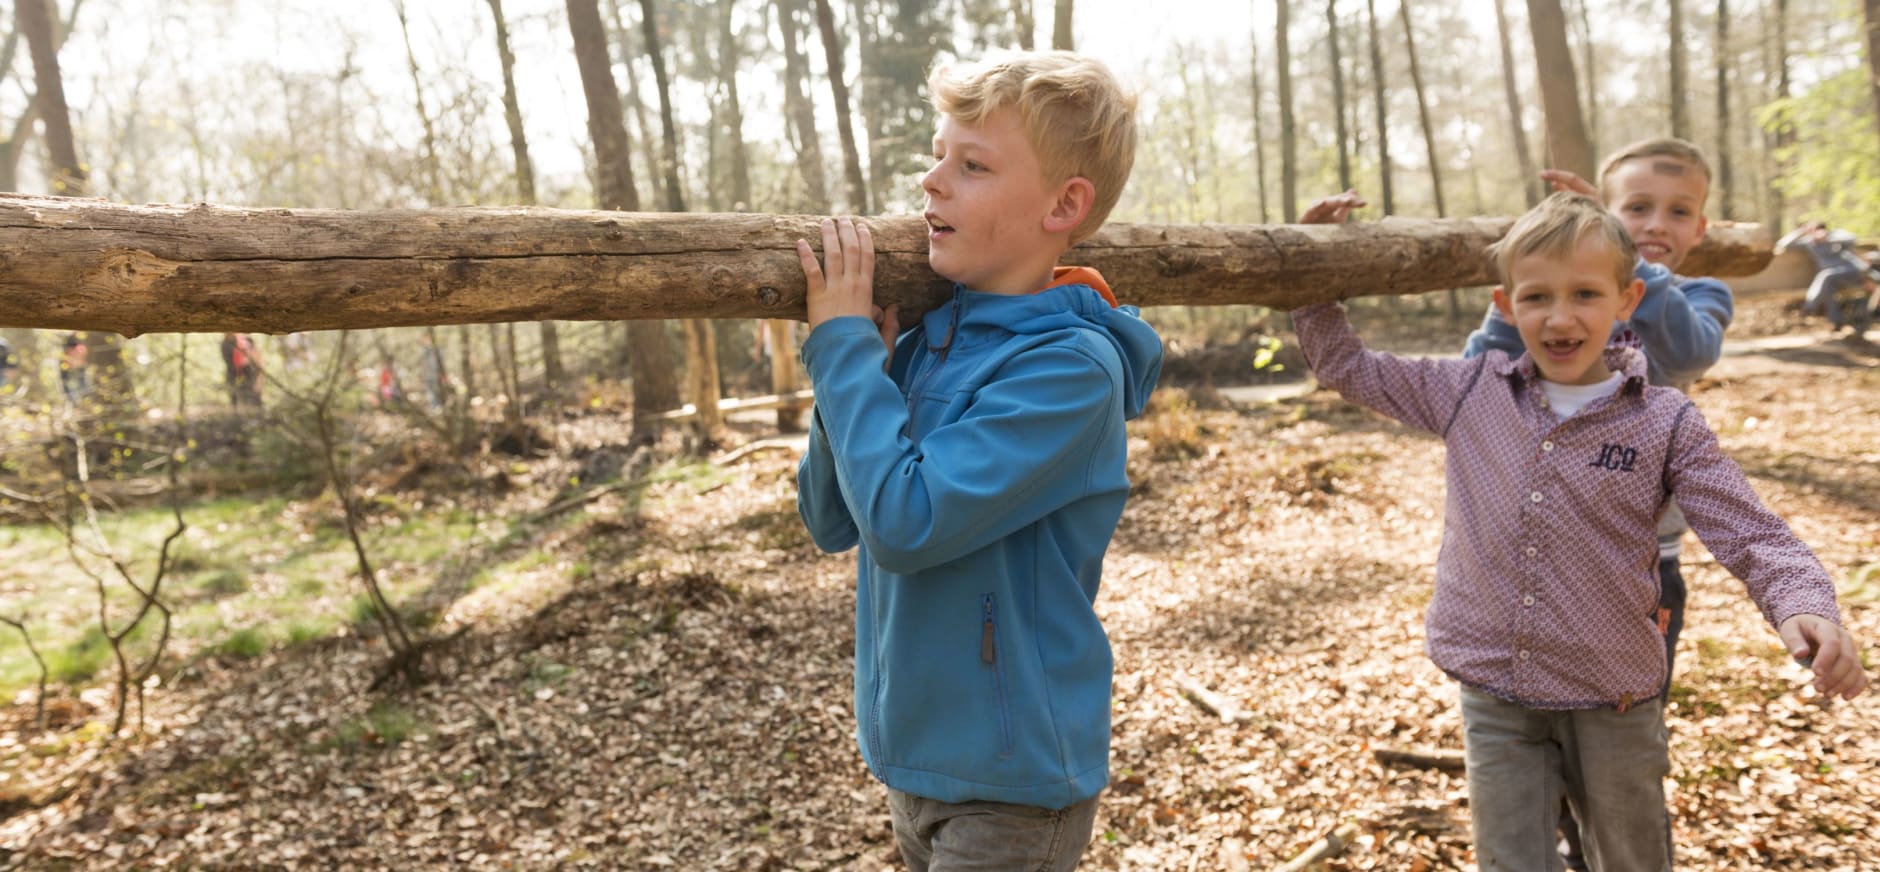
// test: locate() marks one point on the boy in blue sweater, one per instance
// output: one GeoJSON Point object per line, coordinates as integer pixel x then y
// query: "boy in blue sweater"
{"type": "Point", "coordinates": [978, 460]}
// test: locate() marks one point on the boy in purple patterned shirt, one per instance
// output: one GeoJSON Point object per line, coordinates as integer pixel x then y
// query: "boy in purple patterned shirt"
{"type": "Point", "coordinates": [1546, 595]}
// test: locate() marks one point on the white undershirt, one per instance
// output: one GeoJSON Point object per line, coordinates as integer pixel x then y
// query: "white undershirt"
{"type": "Point", "coordinates": [1565, 400]}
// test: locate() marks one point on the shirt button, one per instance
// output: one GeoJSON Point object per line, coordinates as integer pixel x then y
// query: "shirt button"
{"type": "Point", "coordinates": [1524, 655]}
{"type": "Point", "coordinates": [1548, 445]}
{"type": "Point", "coordinates": [1531, 551]}
{"type": "Point", "coordinates": [1535, 496]}
{"type": "Point", "coordinates": [1527, 601]}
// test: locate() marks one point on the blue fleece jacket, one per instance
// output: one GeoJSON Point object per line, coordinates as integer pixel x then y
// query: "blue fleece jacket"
{"type": "Point", "coordinates": [983, 477]}
{"type": "Point", "coordinates": [1679, 325]}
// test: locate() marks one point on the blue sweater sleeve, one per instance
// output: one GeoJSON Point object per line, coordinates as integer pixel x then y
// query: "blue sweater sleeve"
{"type": "Point", "coordinates": [819, 498]}
{"type": "Point", "coordinates": [1680, 323]}
{"type": "Point", "coordinates": [1495, 334]}
{"type": "Point", "coordinates": [1020, 451]}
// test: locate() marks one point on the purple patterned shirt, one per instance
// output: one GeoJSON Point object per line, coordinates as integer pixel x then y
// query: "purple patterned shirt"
{"type": "Point", "coordinates": [1547, 583]}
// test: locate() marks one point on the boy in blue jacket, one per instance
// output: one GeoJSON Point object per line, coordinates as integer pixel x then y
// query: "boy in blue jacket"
{"type": "Point", "coordinates": [978, 461]}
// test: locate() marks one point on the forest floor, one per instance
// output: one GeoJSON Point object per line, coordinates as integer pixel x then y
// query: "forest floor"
{"type": "Point", "coordinates": [683, 701]}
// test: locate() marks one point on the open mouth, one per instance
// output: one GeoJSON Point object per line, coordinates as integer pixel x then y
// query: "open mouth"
{"type": "Point", "coordinates": [937, 227]}
{"type": "Point", "coordinates": [1653, 250]}
{"type": "Point", "coordinates": [1562, 349]}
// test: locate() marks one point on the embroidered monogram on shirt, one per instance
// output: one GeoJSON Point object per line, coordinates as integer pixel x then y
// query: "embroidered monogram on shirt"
{"type": "Point", "coordinates": [1617, 458]}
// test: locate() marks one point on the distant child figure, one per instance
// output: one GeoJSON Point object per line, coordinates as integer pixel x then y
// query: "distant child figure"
{"type": "Point", "coordinates": [979, 463]}
{"type": "Point", "coordinates": [1657, 188]}
{"type": "Point", "coordinates": [9, 368]}
{"type": "Point", "coordinates": [242, 370]}
{"type": "Point", "coordinates": [390, 393]}
{"type": "Point", "coordinates": [1838, 268]}
{"type": "Point", "coordinates": [75, 369]}
{"type": "Point", "coordinates": [1561, 462]}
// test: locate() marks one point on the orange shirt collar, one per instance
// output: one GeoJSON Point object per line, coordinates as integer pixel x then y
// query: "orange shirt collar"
{"type": "Point", "coordinates": [1081, 275]}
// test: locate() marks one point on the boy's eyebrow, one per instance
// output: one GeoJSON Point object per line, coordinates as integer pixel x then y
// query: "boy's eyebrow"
{"type": "Point", "coordinates": [1669, 167]}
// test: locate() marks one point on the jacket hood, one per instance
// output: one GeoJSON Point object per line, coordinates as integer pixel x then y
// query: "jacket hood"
{"type": "Point", "coordinates": [973, 317]}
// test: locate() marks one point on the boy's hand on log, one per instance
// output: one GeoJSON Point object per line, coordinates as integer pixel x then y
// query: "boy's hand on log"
{"type": "Point", "coordinates": [1568, 180]}
{"type": "Point", "coordinates": [844, 283]}
{"type": "Point", "coordinates": [1335, 209]}
{"type": "Point", "coordinates": [1829, 650]}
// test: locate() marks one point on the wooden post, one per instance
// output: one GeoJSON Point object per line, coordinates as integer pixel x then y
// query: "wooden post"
{"type": "Point", "coordinates": [81, 264]}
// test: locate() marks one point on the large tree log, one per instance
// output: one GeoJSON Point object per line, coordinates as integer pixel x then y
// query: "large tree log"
{"type": "Point", "coordinates": [91, 265]}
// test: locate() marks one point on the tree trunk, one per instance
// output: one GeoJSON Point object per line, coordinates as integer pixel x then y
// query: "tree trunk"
{"type": "Point", "coordinates": [1567, 146]}
{"type": "Point", "coordinates": [1530, 180]}
{"type": "Point", "coordinates": [525, 183]}
{"type": "Point", "coordinates": [1784, 135]}
{"type": "Point", "coordinates": [1680, 112]}
{"type": "Point", "coordinates": [1589, 76]}
{"type": "Point", "coordinates": [734, 113]}
{"type": "Point", "coordinates": [801, 109]}
{"type": "Point", "coordinates": [1871, 15]}
{"type": "Point", "coordinates": [14, 146]}
{"type": "Point", "coordinates": [631, 100]}
{"type": "Point", "coordinates": [1338, 96]}
{"type": "Point", "coordinates": [1288, 141]}
{"type": "Point", "coordinates": [1259, 136]}
{"type": "Point", "coordinates": [433, 168]}
{"type": "Point", "coordinates": [1025, 25]}
{"type": "Point", "coordinates": [26, 354]}
{"type": "Point", "coordinates": [1383, 120]}
{"type": "Point", "coordinates": [87, 264]}
{"type": "Point", "coordinates": [701, 346]}
{"type": "Point", "coordinates": [652, 363]}
{"type": "Point", "coordinates": [845, 127]}
{"type": "Point", "coordinates": [1726, 186]}
{"type": "Point", "coordinates": [34, 19]}
{"type": "Point", "coordinates": [780, 339]}
{"type": "Point", "coordinates": [1423, 109]}
{"type": "Point", "coordinates": [1061, 27]}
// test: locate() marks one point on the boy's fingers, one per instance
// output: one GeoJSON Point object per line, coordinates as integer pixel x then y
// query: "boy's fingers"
{"type": "Point", "coordinates": [812, 271]}
{"type": "Point", "coordinates": [851, 245]}
{"type": "Point", "coordinates": [832, 248]}
{"type": "Point", "coordinates": [866, 239]}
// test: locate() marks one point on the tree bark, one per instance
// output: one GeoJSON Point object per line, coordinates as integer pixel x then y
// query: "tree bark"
{"type": "Point", "coordinates": [631, 100]}
{"type": "Point", "coordinates": [1024, 24]}
{"type": "Point", "coordinates": [651, 360]}
{"type": "Point", "coordinates": [1338, 96]}
{"type": "Point", "coordinates": [1423, 109]}
{"type": "Point", "coordinates": [1383, 115]}
{"type": "Point", "coordinates": [1288, 139]}
{"type": "Point", "coordinates": [525, 183]}
{"type": "Point", "coordinates": [87, 264]}
{"type": "Point", "coordinates": [1783, 136]}
{"type": "Point", "coordinates": [1679, 84]}
{"type": "Point", "coordinates": [780, 338]}
{"type": "Point", "coordinates": [1061, 27]}
{"type": "Point", "coordinates": [845, 126]}
{"type": "Point", "coordinates": [1567, 145]}
{"type": "Point", "coordinates": [1530, 180]}
{"type": "Point", "coordinates": [801, 109]}
{"type": "Point", "coordinates": [734, 112]}
{"type": "Point", "coordinates": [1589, 75]}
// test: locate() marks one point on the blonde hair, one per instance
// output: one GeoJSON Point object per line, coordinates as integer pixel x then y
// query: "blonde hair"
{"type": "Point", "coordinates": [1681, 150]}
{"type": "Point", "coordinates": [1557, 226]}
{"type": "Point", "coordinates": [1076, 116]}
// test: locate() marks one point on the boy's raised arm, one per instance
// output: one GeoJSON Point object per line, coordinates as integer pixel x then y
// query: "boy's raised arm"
{"type": "Point", "coordinates": [1681, 323]}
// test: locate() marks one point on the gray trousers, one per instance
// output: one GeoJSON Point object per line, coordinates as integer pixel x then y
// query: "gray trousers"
{"type": "Point", "coordinates": [937, 836]}
{"type": "Point", "coordinates": [1610, 766]}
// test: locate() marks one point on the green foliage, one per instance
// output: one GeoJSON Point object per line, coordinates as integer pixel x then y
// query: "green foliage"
{"type": "Point", "coordinates": [1831, 178]}
{"type": "Point", "coordinates": [385, 725]}
{"type": "Point", "coordinates": [244, 644]}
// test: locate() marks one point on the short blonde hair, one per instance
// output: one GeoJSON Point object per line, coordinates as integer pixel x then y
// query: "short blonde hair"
{"type": "Point", "coordinates": [1076, 116]}
{"type": "Point", "coordinates": [1681, 150]}
{"type": "Point", "coordinates": [1557, 226]}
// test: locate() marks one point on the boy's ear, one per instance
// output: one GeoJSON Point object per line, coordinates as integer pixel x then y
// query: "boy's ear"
{"type": "Point", "coordinates": [1075, 197]}
{"type": "Point", "coordinates": [1630, 296]}
{"type": "Point", "coordinates": [1503, 305]}
{"type": "Point", "coordinates": [1703, 226]}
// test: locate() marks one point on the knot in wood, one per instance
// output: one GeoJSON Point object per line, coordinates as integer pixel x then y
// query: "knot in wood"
{"type": "Point", "coordinates": [769, 296]}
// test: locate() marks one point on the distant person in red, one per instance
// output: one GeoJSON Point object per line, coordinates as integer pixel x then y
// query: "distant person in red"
{"type": "Point", "coordinates": [242, 364]}
{"type": "Point", "coordinates": [390, 392]}
{"type": "Point", "coordinates": [74, 369]}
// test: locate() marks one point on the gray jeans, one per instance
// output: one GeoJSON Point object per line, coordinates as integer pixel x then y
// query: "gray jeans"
{"type": "Point", "coordinates": [937, 836]}
{"type": "Point", "coordinates": [1610, 765]}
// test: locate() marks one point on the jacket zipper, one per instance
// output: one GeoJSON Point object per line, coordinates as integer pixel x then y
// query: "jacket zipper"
{"type": "Point", "coordinates": [989, 657]}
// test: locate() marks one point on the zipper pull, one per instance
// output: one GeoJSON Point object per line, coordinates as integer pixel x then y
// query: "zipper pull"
{"type": "Point", "coordinates": [987, 652]}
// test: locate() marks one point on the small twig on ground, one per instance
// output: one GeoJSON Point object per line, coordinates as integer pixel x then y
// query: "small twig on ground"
{"type": "Point", "coordinates": [1434, 758]}
{"type": "Point", "coordinates": [1213, 703]}
{"type": "Point", "coordinates": [1334, 843]}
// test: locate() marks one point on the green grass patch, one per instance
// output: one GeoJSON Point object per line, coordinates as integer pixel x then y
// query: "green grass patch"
{"type": "Point", "coordinates": [385, 725]}
{"type": "Point", "coordinates": [245, 644]}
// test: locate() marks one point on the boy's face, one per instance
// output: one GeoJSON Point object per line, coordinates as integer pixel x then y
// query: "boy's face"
{"type": "Point", "coordinates": [1565, 307]}
{"type": "Point", "coordinates": [987, 205]}
{"type": "Point", "coordinates": [1661, 202]}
